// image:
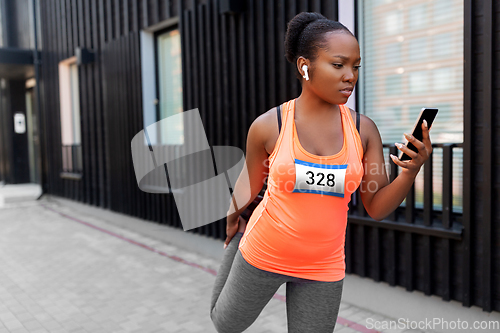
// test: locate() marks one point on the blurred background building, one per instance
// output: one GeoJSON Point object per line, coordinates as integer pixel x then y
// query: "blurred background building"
{"type": "Point", "coordinates": [78, 79]}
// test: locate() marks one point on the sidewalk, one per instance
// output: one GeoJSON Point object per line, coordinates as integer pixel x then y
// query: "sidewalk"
{"type": "Point", "coordinates": [69, 267]}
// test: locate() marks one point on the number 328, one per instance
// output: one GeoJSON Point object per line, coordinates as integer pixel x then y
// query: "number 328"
{"type": "Point", "coordinates": [330, 179]}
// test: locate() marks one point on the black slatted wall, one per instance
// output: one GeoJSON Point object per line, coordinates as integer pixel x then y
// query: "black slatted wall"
{"type": "Point", "coordinates": [233, 70]}
{"type": "Point", "coordinates": [482, 133]}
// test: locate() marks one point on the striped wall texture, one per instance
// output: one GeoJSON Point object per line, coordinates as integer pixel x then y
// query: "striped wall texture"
{"type": "Point", "coordinates": [234, 69]}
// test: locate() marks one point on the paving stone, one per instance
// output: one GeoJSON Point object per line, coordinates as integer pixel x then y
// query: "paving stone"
{"type": "Point", "coordinates": [32, 325]}
{"type": "Point", "coordinates": [62, 275]}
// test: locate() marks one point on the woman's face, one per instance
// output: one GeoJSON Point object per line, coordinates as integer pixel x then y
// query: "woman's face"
{"type": "Point", "coordinates": [335, 71]}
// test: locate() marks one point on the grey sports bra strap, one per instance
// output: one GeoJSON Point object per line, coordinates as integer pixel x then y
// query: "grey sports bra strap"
{"type": "Point", "coordinates": [357, 122]}
{"type": "Point", "coordinates": [279, 117]}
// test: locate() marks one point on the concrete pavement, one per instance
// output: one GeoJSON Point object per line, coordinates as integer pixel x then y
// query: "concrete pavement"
{"type": "Point", "coordinates": [69, 267]}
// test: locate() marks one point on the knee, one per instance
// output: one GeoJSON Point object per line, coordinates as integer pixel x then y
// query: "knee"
{"type": "Point", "coordinates": [221, 324]}
{"type": "Point", "coordinates": [219, 327]}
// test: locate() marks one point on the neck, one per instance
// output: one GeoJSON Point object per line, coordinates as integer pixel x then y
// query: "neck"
{"type": "Point", "coordinates": [310, 106]}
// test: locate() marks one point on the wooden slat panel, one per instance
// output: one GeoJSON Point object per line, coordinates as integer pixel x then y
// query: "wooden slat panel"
{"type": "Point", "coordinates": [375, 256]}
{"type": "Point", "coordinates": [126, 17]}
{"type": "Point", "coordinates": [303, 6]}
{"type": "Point", "coordinates": [360, 250]}
{"type": "Point", "coordinates": [120, 111]}
{"type": "Point", "coordinates": [62, 54]}
{"type": "Point", "coordinates": [446, 268]}
{"type": "Point", "coordinates": [85, 36]}
{"type": "Point", "coordinates": [393, 173]}
{"type": "Point", "coordinates": [145, 14]}
{"type": "Point", "coordinates": [155, 11]}
{"type": "Point", "coordinates": [280, 49]}
{"type": "Point", "coordinates": [487, 152]}
{"type": "Point", "coordinates": [410, 206]}
{"type": "Point", "coordinates": [98, 40]}
{"type": "Point", "coordinates": [187, 63]}
{"type": "Point", "coordinates": [83, 186]}
{"type": "Point", "coordinates": [165, 9]}
{"type": "Point", "coordinates": [330, 9]}
{"type": "Point", "coordinates": [110, 81]}
{"type": "Point", "coordinates": [135, 16]}
{"type": "Point", "coordinates": [391, 256]}
{"type": "Point", "coordinates": [130, 126]}
{"type": "Point", "coordinates": [447, 219]}
{"type": "Point", "coordinates": [106, 90]}
{"type": "Point", "coordinates": [109, 19]}
{"type": "Point", "coordinates": [261, 59]}
{"type": "Point", "coordinates": [67, 31]}
{"type": "Point", "coordinates": [408, 261]}
{"type": "Point", "coordinates": [215, 229]}
{"type": "Point", "coordinates": [117, 20]}
{"type": "Point", "coordinates": [251, 66]}
{"type": "Point", "coordinates": [427, 252]}
{"type": "Point", "coordinates": [136, 102]}
{"type": "Point", "coordinates": [203, 84]}
{"type": "Point", "coordinates": [49, 74]}
{"type": "Point", "coordinates": [195, 57]}
{"type": "Point", "coordinates": [109, 92]}
{"type": "Point", "coordinates": [467, 159]}
{"type": "Point", "coordinates": [427, 241]}
{"type": "Point", "coordinates": [269, 75]}
{"type": "Point", "coordinates": [428, 197]}
{"type": "Point", "coordinates": [75, 26]}
{"type": "Point", "coordinates": [447, 186]}
{"type": "Point", "coordinates": [92, 109]}
{"type": "Point", "coordinates": [315, 6]}
{"type": "Point", "coordinates": [349, 266]}
{"type": "Point", "coordinates": [173, 216]}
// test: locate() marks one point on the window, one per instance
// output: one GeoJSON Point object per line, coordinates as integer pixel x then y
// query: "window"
{"type": "Point", "coordinates": [412, 52]}
{"type": "Point", "coordinates": [417, 16]}
{"type": "Point", "coordinates": [393, 22]}
{"type": "Point", "coordinates": [418, 50]}
{"type": "Point", "coordinates": [70, 118]}
{"type": "Point", "coordinates": [162, 97]}
{"type": "Point", "coordinates": [393, 53]}
{"type": "Point", "coordinates": [169, 74]}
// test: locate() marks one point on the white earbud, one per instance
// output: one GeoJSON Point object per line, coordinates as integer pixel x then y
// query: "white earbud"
{"type": "Point", "coordinates": [306, 76]}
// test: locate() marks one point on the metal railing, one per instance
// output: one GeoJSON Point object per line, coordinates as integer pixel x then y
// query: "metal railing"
{"type": "Point", "coordinates": [421, 213]}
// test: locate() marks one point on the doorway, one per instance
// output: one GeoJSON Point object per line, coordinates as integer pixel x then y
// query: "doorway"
{"type": "Point", "coordinates": [33, 133]}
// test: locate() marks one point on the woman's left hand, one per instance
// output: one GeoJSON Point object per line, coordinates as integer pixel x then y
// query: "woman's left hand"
{"type": "Point", "coordinates": [417, 159]}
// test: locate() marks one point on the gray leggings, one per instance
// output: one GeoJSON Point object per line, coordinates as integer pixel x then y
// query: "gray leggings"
{"type": "Point", "coordinates": [241, 291]}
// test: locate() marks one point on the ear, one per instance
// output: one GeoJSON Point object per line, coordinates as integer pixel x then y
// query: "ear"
{"type": "Point", "coordinates": [301, 61]}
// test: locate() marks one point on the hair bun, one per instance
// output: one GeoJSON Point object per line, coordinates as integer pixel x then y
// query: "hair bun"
{"type": "Point", "coordinates": [295, 28]}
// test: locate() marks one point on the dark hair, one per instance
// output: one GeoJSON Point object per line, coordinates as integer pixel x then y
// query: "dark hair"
{"type": "Point", "coordinates": [305, 35]}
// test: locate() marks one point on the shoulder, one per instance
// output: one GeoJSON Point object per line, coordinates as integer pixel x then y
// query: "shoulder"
{"type": "Point", "coordinates": [266, 121]}
{"type": "Point", "coordinates": [367, 128]}
{"type": "Point", "coordinates": [265, 128]}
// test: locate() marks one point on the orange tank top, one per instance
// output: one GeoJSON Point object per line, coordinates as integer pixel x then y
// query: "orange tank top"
{"type": "Point", "coordinates": [298, 229]}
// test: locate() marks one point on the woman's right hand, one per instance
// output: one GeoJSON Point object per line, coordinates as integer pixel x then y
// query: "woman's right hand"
{"type": "Point", "coordinates": [232, 227]}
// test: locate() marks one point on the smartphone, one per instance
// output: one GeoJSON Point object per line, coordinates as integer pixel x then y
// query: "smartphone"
{"type": "Point", "coordinates": [427, 114]}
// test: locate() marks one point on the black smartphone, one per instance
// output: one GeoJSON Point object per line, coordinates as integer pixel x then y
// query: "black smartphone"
{"type": "Point", "coordinates": [428, 115]}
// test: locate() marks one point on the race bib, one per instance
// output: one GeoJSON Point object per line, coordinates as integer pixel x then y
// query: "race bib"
{"type": "Point", "coordinates": [319, 178]}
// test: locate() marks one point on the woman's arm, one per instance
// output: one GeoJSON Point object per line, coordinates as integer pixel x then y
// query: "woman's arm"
{"type": "Point", "coordinates": [379, 197]}
{"type": "Point", "coordinates": [253, 174]}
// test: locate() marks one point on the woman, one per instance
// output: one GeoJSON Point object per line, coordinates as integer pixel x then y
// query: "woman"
{"type": "Point", "coordinates": [315, 161]}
